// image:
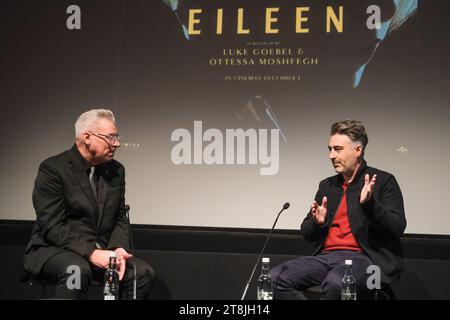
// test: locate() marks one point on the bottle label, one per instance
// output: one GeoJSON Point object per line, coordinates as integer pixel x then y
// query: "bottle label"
{"type": "Point", "coordinates": [348, 295]}
{"type": "Point", "coordinates": [265, 295]}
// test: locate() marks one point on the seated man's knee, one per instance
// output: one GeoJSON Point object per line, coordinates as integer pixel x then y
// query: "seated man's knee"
{"type": "Point", "coordinates": [280, 278]}
{"type": "Point", "coordinates": [81, 270]}
{"type": "Point", "coordinates": [144, 271]}
{"type": "Point", "coordinates": [331, 289]}
{"type": "Point", "coordinates": [149, 273]}
{"type": "Point", "coordinates": [77, 275]}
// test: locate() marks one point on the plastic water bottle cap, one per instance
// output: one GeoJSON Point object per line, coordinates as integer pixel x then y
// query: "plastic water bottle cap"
{"type": "Point", "coordinates": [348, 262]}
{"type": "Point", "coordinates": [265, 259]}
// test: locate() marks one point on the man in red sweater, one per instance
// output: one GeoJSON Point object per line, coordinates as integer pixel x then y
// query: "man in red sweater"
{"type": "Point", "coordinates": [356, 215]}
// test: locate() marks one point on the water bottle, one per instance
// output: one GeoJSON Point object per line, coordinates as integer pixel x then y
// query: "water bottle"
{"type": "Point", "coordinates": [348, 283]}
{"type": "Point", "coordinates": [264, 284]}
{"type": "Point", "coordinates": [111, 289]}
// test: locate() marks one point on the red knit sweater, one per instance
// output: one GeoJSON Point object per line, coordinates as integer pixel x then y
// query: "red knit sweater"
{"type": "Point", "coordinates": [340, 236]}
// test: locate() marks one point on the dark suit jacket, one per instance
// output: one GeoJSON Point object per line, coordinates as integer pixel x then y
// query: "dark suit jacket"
{"type": "Point", "coordinates": [376, 225]}
{"type": "Point", "coordinates": [69, 217]}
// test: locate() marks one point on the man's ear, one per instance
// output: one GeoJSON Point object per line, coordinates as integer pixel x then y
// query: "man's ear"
{"type": "Point", "coordinates": [359, 151]}
{"type": "Point", "coordinates": [86, 138]}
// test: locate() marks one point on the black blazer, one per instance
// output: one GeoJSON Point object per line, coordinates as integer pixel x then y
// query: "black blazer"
{"type": "Point", "coordinates": [376, 225]}
{"type": "Point", "coordinates": [69, 217]}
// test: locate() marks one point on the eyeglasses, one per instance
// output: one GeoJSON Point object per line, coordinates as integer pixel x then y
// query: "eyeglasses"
{"type": "Point", "coordinates": [109, 138]}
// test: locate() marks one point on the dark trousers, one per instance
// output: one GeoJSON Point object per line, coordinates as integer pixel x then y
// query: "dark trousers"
{"type": "Point", "coordinates": [325, 269]}
{"type": "Point", "coordinates": [59, 269]}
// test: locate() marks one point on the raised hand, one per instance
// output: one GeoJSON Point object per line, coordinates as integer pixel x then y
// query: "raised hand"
{"type": "Point", "coordinates": [319, 213]}
{"type": "Point", "coordinates": [367, 190]}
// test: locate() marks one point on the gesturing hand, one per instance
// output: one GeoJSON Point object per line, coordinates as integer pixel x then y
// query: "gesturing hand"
{"type": "Point", "coordinates": [366, 192]}
{"type": "Point", "coordinates": [319, 213]}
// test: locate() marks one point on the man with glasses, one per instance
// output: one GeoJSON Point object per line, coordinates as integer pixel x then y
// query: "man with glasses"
{"type": "Point", "coordinates": [79, 198]}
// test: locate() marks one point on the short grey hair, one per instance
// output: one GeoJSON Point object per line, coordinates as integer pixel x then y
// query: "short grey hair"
{"type": "Point", "coordinates": [353, 129]}
{"type": "Point", "coordinates": [88, 120]}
